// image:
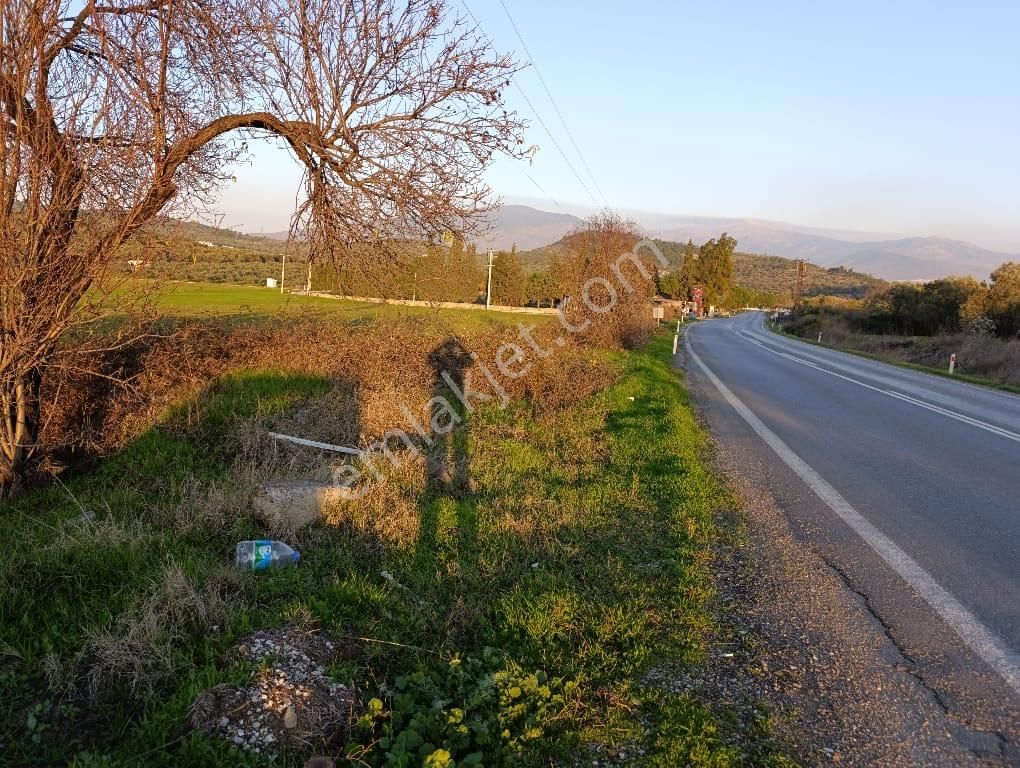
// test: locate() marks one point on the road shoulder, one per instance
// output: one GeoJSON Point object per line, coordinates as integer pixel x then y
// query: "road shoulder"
{"type": "Point", "coordinates": [839, 687]}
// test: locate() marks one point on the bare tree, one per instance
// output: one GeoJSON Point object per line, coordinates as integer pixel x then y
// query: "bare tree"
{"type": "Point", "coordinates": [114, 114]}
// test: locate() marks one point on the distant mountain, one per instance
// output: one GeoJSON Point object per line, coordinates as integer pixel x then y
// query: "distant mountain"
{"type": "Point", "coordinates": [925, 258]}
{"type": "Point", "coordinates": [525, 227]}
{"type": "Point", "coordinates": [911, 258]}
{"type": "Point", "coordinates": [511, 225]}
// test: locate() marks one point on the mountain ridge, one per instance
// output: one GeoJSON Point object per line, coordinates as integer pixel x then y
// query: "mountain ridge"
{"type": "Point", "coordinates": [894, 258]}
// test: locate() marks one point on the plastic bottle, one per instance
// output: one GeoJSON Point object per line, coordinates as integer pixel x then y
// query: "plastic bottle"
{"type": "Point", "coordinates": [263, 553]}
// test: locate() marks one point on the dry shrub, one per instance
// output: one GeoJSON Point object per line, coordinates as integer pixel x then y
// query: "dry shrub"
{"type": "Point", "coordinates": [91, 414]}
{"type": "Point", "coordinates": [198, 507]}
{"type": "Point", "coordinates": [568, 374]}
{"type": "Point", "coordinates": [399, 364]}
{"type": "Point", "coordinates": [561, 382]}
{"type": "Point", "coordinates": [363, 354]}
{"type": "Point", "coordinates": [214, 507]}
{"type": "Point", "coordinates": [377, 368]}
{"type": "Point", "coordinates": [139, 650]}
{"type": "Point", "coordinates": [977, 355]}
{"type": "Point", "coordinates": [984, 356]}
{"type": "Point", "coordinates": [610, 294]}
{"type": "Point", "coordinates": [334, 418]}
{"type": "Point", "coordinates": [381, 408]}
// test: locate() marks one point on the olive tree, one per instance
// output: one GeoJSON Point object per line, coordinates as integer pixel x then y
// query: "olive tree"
{"type": "Point", "coordinates": [112, 115]}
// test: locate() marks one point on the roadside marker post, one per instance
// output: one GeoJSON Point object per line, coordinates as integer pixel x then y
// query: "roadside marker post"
{"type": "Point", "coordinates": [952, 363]}
{"type": "Point", "coordinates": [676, 338]}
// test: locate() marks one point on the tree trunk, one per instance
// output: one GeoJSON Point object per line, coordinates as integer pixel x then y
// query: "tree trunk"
{"type": "Point", "coordinates": [19, 429]}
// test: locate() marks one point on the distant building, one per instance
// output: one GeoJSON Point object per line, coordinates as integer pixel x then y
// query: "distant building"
{"type": "Point", "coordinates": [675, 308]}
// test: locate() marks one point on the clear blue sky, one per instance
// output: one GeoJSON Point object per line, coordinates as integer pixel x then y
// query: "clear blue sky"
{"type": "Point", "coordinates": [898, 117]}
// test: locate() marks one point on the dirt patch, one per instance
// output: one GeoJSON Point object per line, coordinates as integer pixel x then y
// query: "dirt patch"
{"type": "Point", "coordinates": [290, 700]}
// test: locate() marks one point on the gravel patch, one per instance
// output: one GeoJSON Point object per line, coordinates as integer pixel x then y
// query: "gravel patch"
{"type": "Point", "coordinates": [290, 700]}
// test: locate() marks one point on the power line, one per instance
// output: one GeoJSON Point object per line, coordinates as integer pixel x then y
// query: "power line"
{"type": "Point", "coordinates": [542, 190]}
{"type": "Point", "coordinates": [538, 116]}
{"type": "Point", "coordinates": [556, 108]}
{"type": "Point", "coordinates": [557, 145]}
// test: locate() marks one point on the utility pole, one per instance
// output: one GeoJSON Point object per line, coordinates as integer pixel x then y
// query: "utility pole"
{"type": "Point", "coordinates": [488, 285]}
{"type": "Point", "coordinates": [800, 286]}
{"type": "Point", "coordinates": [414, 279]}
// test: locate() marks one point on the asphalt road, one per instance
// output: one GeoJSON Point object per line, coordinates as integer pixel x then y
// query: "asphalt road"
{"type": "Point", "coordinates": [907, 484]}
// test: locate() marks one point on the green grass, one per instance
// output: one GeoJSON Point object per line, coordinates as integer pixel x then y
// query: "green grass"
{"type": "Point", "coordinates": [530, 608]}
{"type": "Point", "coordinates": [212, 299]}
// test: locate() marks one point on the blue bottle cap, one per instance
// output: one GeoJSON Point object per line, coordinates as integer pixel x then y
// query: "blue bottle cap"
{"type": "Point", "coordinates": [295, 556]}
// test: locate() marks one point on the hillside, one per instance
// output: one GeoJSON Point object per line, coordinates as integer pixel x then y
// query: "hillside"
{"type": "Point", "coordinates": [179, 250]}
{"type": "Point", "coordinates": [228, 238]}
{"type": "Point", "coordinates": [765, 273]}
{"type": "Point", "coordinates": [925, 258]}
{"type": "Point", "coordinates": [779, 275]}
{"type": "Point", "coordinates": [184, 250]}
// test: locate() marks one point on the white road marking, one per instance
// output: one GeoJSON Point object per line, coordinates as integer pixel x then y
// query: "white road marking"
{"type": "Point", "coordinates": [979, 638]}
{"type": "Point", "coordinates": [1001, 432]}
{"type": "Point", "coordinates": [850, 357]}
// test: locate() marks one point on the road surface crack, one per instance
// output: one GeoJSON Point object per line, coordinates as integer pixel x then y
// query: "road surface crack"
{"type": "Point", "coordinates": [909, 665]}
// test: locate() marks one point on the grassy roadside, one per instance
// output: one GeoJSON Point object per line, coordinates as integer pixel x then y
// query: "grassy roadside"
{"type": "Point", "coordinates": [190, 299]}
{"type": "Point", "coordinates": [941, 372]}
{"type": "Point", "coordinates": [515, 628]}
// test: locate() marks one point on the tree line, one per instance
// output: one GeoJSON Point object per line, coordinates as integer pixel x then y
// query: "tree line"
{"type": "Point", "coordinates": [405, 270]}
{"type": "Point", "coordinates": [709, 266]}
{"type": "Point", "coordinates": [950, 305]}
{"type": "Point", "coordinates": [457, 272]}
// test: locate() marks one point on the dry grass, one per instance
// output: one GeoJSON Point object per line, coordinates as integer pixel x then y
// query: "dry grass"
{"type": "Point", "coordinates": [376, 369]}
{"type": "Point", "coordinates": [139, 650]}
{"type": "Point", "coordinates": [525, 584]}
{"type": "Point", "coordinates": [985, 357]}
{"type": "Point", "coordinates": [388, 515]}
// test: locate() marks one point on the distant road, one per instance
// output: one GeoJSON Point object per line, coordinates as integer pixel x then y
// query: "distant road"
{"type": "Point", "coordinates": [910, 483]}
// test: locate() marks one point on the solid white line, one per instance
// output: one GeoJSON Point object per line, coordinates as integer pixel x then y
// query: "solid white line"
{"type": "Point", "coordinates": [979, 638]}
{"type": "Point", "coordinates": [1001, 432]}
{"type": "Point", "coordinates": [849, 357]}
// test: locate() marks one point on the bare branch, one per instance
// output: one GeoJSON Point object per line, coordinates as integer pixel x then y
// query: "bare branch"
{"type": "Point", "coordinates": [114, 114]}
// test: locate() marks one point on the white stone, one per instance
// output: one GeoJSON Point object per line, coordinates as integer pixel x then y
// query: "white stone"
{"type": "Point", "coordinates": [297, 503]}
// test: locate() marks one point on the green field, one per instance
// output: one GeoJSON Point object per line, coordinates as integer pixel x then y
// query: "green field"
{"type": "Point", "coordinates": [213, 299]}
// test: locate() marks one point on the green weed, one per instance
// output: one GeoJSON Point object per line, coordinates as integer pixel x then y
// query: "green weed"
{"type": "Point", "coordinates": [513, 626]}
